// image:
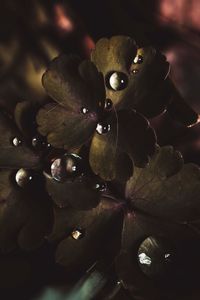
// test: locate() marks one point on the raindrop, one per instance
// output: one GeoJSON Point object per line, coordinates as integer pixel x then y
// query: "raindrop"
{"type": "Point", "coordinates": [84, 110]}
{"type": "Point", "coordinates": [38, 143]}
{"type": "Point", "coordinates": [66, 166]}
{"type": "Point", "coordinates": [117, 81]}
{"type": "Point", "coordinates": [16, 142]}
{"type": "Point", "coordinates": [138, 59]}
{"type": "Point", "coordinates": [103, 128]}
{"type": "Point", "coordinates": [77, 234]}
{"type": "Point", "coordinates": [155, 257]}
{"type": "Point", "coordinates": [100, 186]}
{"type": "Point", "coordinates": [23, 177]}
{"type": "Point", "coordinates": [135, 71]}
{"type": "Point", "coordinates": [108, 104]}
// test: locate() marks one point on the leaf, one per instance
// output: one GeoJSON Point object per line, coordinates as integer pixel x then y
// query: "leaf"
{"type": "Point", "coordinates": [130, 141]}
{"type": "Point", "coordinates": [12, 156]}
{"type": "Point", "coordinates": [65, 129]}
{"type": "Point", "coordinates": [162, 202]}
{"type": "Point", "coordinates": [147, 90]}
{"type": "Point", "coordinates": [25, 214]}
{"type": "Point", "coordinates": [99, 225]}
{"type": "Point", "coordinates": [116, 53]}
{"type": "Point", "coordinates": [24, 114]}
{"type": "Point", "coordinates": [166, 188]}
{"type": "Point", "coordinates": [79, 193]}
{"type": "Point", "coordinates": [74, 84]}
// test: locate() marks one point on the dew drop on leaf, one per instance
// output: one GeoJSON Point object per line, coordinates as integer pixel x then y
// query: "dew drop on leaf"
{"type": "Point", "coordinates": [138, 59]}
{"type": "Point", "coordinates": [117, 81]}
{"type": "Point", "coordinates": [84, 110]}
{"type": "Point", "coordinates": [77, 234]}
{"type": "Point", "coordinates": [155, 257]}
{"type": "Point", "coordinates": [135, 71]}
{"type": "Point", "coordinates": [16, 142]}
{"type": "Point", "coordinates": [100, 186]}
{"type": "Point", "coordinates": [66, 166]}
{"type": "Point", "coordinates": [23, 177]}
{"type": "Point", "coordinates": [39, 143]}
{"type": "Point", "coordinates": [108, 104]}
{"type": "Point", "coordinates": [103, 128]}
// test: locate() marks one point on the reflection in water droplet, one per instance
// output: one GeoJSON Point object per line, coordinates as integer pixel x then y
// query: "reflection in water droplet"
{"type": "Point", "coordinates": [116, 81]}
{"type": "Point", "coordinates": [108, 104]}
{"type": "Point", "coordinates": [84, 110]}
{"type": "Point", "coordinates": [16, 142]}
{"type": "Point", "coordinates": [66, 166]}
{"type": "Point", "coordinates": [144, 259]}
{"type": "Point", "coordinates": [138, 59]}
{"type": "Point", "coordinates": [22, 177]}
{"type": "Point", "coordinates": [77, 234]}
{"type": "Point", "coordinates": [103, 128]}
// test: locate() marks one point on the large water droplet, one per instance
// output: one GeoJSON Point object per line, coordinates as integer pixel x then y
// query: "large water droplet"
{"type": "Point", "coordinates": [66, 166]}
{"type": "Point", "coordinates": [116, 81]}
{"type": "Point", "coordinates": [16, 142]}
{"type": "Point", "coordinates": [23, 177]}
{"type": "Point", "coordinates": [138, 59]}
{"type": "Point", "coordinates": [155, 257]}
{"type": "Point", "coordinates": [103, 128]}
{"type": "Point", "coordinates": [77, 234]}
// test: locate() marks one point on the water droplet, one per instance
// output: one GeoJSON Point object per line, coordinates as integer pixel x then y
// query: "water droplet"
{"type": "Point", "coordinates": [84, 110]}
{"type": "Point", "coordinates": [77, 234]}
{"type": "Point", "coordinates": [108, 104]}
{"type": "Point", "coordinates": [16, 142]}
{"type": "Point", "coordinates": [23, 177]}
{"type": "Point", "coordinates": [39, 143]}
{"type": "Point", "coordinates": [103, 128]}
{"type": "Point", "coordinates": [155, 257]}
{"type": "Point", "coordinates": [100, 186]}
{"type": "Point", "coordinates": [66, 166]}
{"type": "Point", "coordinates": [116, 81]}
{"type": "Point", "coordinates": [135, 71]}
{"type": "Point", "coordinates": [138, 59]}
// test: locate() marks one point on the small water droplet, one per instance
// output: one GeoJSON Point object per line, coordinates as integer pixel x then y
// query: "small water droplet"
{"type": "Point", "coordinates": [108, 104]}
{"type": "Point", "coordinates": [16, 142]}
{"type": "Point", "coordinates": [100, 186]}
{"type": "Point", "coordinates": [103, 128]}
{"type": "Point", "coordinates": [138, 59]}
{"type": "Point", "coordinates": [23, 177]}
{"type": "Point", "coordinates": [39, 143]}
{"type": "Point", "coordinates": [116, 81]}
{"type": "Point", "coordinates": [135, 71]}
{"type": "Point", "coordinates": [66, 166]}
{"type": "Point", "coordinates": [84, 110]}
{"type": "Point", "coordinates": [77, 234]}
